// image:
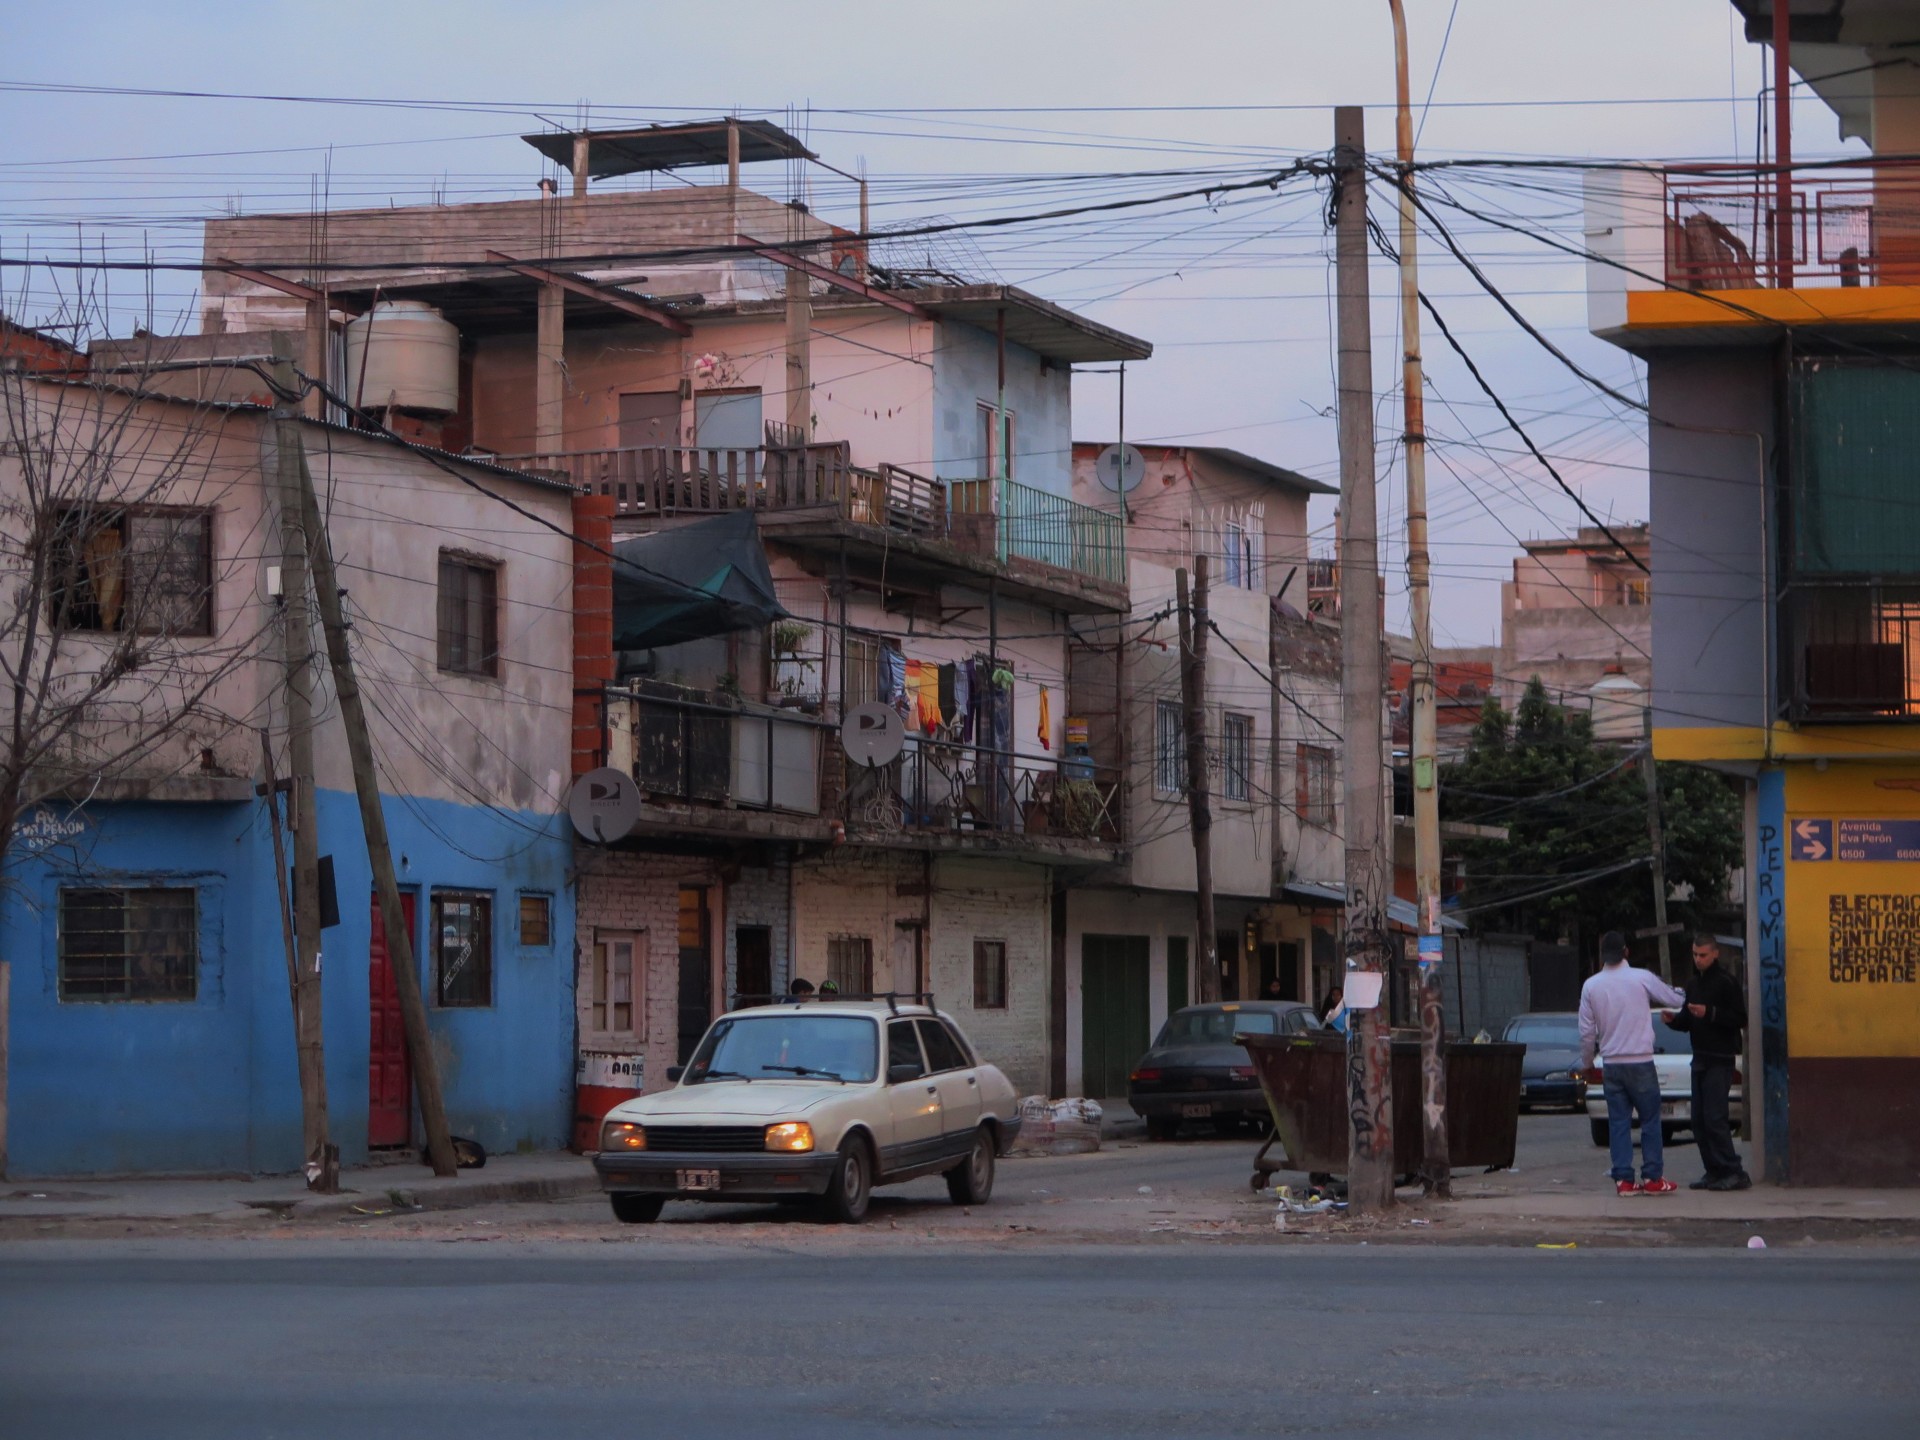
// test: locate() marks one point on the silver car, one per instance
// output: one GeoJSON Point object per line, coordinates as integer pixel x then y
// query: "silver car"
{"type": "Point", "coordinates": [1673, 1063]}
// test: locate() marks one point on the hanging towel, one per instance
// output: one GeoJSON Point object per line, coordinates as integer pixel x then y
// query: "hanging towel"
{"type": "Point", "coordinates": [923, 680]}
{"type": "Point", "coordinates": [893, 675]}
{"type": "Point", "coordinates": [1046, 720]}
{"type": "Point", "coordinates": [949, 691]}
{"type": "Point", "coordinates": [963, 698]}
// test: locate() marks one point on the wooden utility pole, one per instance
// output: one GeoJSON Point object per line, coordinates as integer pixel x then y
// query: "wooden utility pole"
{"type": "Point", "coordinates": [373, 820]}
{"type": "Point", "coordinates": [1362, 691]}
{"type": "Point", "coordinates": [1193, 697]}
{"type": "Point", "coordinates": [1436, 1169]}
{"type": "Point", "coordinates": [1276, 856]}
{"type": "Point", "coordinates": [1656, 837]}
{"type": "Point", "coordinates": [296, 631]}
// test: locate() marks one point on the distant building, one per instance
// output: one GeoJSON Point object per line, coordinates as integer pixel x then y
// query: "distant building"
{"type": "Point", "coordinates": [1576, 606]}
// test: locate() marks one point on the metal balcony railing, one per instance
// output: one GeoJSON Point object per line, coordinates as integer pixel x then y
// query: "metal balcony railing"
{"type": "Point", "coordinates": [691, 748]}
{"type": "Point", "coordinates": [942, 787]}
{"type": "Point", "coordinates": [1009, 520]}
{"type": "Point", "coordinates": [1852, 223]}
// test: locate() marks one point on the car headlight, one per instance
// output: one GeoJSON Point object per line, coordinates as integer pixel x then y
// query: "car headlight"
{"type": "Point", "coordinates": [1559, 1075]}
{"type": "Point", "coordinates": [622, 1135]}
{"type": "Point", "coordinates": [793, 1136]}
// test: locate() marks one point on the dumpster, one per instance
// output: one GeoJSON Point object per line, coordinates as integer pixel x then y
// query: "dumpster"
{"type": "Point", "coordinates": [1304, 1078]}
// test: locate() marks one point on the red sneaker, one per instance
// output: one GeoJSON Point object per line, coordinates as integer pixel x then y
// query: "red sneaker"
{"type": "Point", "coordinates": [1626, 1187]}
{"type": "Point", "coordinates": [1658, 1187]}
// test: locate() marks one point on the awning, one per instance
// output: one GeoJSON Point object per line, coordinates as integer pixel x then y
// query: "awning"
{"type": "Point", "coordinates": [1323, 893]}
{"type": "Point", "coordinates": [699, 580]}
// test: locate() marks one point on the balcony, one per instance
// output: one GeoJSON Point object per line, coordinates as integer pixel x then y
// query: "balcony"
{"type": "Point", "coordinates": [1053, 546]}
{"type": "Point", "coordinates": [1850, 652]}
{"type": "Point", "coordinates": [994, 798]}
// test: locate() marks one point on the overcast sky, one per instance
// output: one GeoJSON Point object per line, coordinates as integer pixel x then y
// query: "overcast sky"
{"type": "Point", "coordinates": [968, 110]}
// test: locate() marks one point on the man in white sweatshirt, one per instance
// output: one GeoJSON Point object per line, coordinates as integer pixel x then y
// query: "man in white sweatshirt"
{"type": "Point", "coordinates": [1616, 1018]}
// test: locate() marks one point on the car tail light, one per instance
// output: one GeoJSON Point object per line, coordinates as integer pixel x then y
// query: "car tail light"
{"type": "Point", "coordinates": [1243, 1072]}
{"type": "Point", "coordinates": [1736, 1076]}
{"type": "Point", "coordinates": [1145, 1074]}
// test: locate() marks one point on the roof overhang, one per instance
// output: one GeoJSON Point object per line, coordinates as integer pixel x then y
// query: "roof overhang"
{"type": "Point", "coordinates": [1838, 47]}
{"type": "Point", "coordinates": [1049, 330]}
{"type": "Point", "coordinates": [668, 147]}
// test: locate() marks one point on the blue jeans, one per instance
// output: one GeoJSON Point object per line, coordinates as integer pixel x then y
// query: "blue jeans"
{"type": "Point", "coordinates": [1633, 1094]}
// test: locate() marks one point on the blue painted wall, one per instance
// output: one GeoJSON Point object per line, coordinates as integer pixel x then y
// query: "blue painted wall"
{"type": "Point", "coordinates": [210, 1085]}
{"type": "Point", "coordinates": [965, 376]}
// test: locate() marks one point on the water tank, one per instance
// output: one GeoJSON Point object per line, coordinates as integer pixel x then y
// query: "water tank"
{"type": "Point", "coordinates": [1618, 706]}
{"type": "Point", "coordinates": [403, 354]}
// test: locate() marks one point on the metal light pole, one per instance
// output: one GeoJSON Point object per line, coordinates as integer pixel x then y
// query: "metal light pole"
{"type": "Point", "coordinates": [1436, 1168]}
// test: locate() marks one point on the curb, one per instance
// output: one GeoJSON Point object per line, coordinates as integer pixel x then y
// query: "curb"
{"type": "Point", "coordinates": [448, 1197]}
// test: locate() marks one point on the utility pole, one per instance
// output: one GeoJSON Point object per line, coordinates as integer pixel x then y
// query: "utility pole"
{"type": "Point", "coordinates": [1362, 691]}
{"type": "Point", "coordinates": [353, 715]}
{"type": "Point", "coordinates": [296, 631]}
{"type": "Point", "coordinates": [1193, 697]}
{"type": "Point", "coordinates": [1436, 1169]}
{"type": "Point", "coordinates": [1656, 836]}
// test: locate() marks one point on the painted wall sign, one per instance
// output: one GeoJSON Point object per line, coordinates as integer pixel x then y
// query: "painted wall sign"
{"type": "Point", "coordinates": [44, 829]}
{"type": "Point", "coordinates": [1873, 938]}
{"type": "Point", "coordinates": [615, 1071]}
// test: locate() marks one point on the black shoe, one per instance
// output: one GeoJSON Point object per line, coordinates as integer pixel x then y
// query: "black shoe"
{"type": "Point", "coordinates": [1740, 1181]}
{"type": "Point", "coordinates": [1705, 1182]}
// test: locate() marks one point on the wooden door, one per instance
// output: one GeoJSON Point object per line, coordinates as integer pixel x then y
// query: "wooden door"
{"type": "Point", "coordinates": [752, 964]}
{"type": "Point", "coordinates": [1178, 980]}
{"type": "Point", "coordinates": [1114, 1024]}
{"type": "Point", "coordinates": [389, 1074]}
{"type": "Point", "coordinates": [696, 970]}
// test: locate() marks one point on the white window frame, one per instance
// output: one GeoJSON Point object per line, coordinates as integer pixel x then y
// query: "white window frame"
{"type": "Point", "coordinates": [598, 994]}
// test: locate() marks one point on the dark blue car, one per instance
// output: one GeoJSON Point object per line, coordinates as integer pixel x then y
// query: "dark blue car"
{"type": "Point", "coordinates": [1550, 1073]}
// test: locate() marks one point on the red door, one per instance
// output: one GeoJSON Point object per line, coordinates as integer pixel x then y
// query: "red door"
{"type": "Point", "coordinates": [389, 1078]}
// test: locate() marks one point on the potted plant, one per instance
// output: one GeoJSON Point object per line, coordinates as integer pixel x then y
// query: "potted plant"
{"type": "Point", "coordinates": [792, 671]}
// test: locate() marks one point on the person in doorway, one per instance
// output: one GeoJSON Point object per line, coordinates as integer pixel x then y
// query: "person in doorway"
{"type": "Point", "coordinates": [800, 988]}
{"type": "Point", "coordinates": [1274, 989]}
{"type": "Point", "coordinates": [1336, 1000]}
{"type": "Point", "coordinates": [1715, 1014]}
{"type": "Point", "coordinates": [1617, 1021]}
{"type": "Point", "coordinates": [829, 988]}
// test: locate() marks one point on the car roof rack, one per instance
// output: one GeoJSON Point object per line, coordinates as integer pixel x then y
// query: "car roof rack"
{"type": "Point", "coordinates": [894, 998]}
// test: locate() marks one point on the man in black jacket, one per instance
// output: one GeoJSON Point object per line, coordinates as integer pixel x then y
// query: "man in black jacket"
{"type": "Point", "coordinates": [1715, 1014]}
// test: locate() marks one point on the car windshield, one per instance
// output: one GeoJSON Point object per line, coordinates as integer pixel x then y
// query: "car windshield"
{"type": "Point", "coordinates": [1216, 1027]}
{"type": "Point", "coordinates": [787, 1046]}
{"type": "Point", "coordinates": [1543, 1031]}
{"type": "Point", "coordinates": [1668, 1041]}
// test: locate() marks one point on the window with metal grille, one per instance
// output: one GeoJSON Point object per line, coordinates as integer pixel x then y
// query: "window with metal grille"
{"type": "Point", "coordinates": [145, 571]}
{"type": "Point", "coordinates": [462, 948]}
{"type": "Point", "coordinates": [1236, 757]}
{"type": "Point", "coordinates": [850, 963]}
{"type": "Point", "coordinates": [1169, 748]}
{"type": "Point", "coordinates": [1313, 785]}
{"type": "Point", "coordinates": [129, 944]}
{"type": "Point", "coordinates": [469, 615]}
{"type": "Point", "coordinates": [536, 920]}
{"type": "Point", "coordinates": [989, 974]}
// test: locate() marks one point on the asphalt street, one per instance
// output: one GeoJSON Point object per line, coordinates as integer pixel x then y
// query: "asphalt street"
{"type": "Point", "coordinates": [418, 1339]}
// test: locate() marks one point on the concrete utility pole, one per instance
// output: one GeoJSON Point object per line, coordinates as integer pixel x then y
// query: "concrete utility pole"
{"type": "Point", "coordinates": [353, 715]}
{"type": "Point", "coordinates": [1193, 697]}
{"type": "Point", "coordinates": [1436, 1169]}
{"type": "Point", "coordinates": [1362, 691]}
{"type": "Point", "coordinates": [296, 632]}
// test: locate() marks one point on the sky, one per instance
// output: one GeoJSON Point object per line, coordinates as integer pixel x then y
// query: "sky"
{"type": "Point", "coordinates": [987, 108]}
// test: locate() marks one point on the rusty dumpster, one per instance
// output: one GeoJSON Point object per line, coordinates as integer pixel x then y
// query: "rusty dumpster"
{"type": "Point", "coordinates": [1304, 1078]}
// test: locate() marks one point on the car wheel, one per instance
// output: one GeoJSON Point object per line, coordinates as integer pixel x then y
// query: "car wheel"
{"type": "Point", "coordinates": [1599, 1128]}
{"type": "Point", "coordinates": [971, 1181]}
{"type": "Point", "coordinates": [1162, 1127]}
{"type": "Point", "coordinates": [637, 1209]}
{"type": "Point", "coordinates": [851, 1187]}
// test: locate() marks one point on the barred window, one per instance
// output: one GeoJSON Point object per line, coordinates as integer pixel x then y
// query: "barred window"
{"type": "Point", "coordinates": [469, 615]}
{"type": "Point", "coordinates": [536, 920]}
{"type": "Point", "coordinates": [989, 974]}
{"type": "Point", "coordinates": [1169, 748]}
{"type": "Point", "coordinates": [463, 948]}
{"type": "Point", "coordinates": [1313, 785]}
{"type": "Point", "coordinates": [146, 571]}
{"type": "Point", "coordinates": [129, 944]}
{"type": "Point", "coordinates": [1236, 757]}
{"type": "Point", "coordinates": [850, 963]}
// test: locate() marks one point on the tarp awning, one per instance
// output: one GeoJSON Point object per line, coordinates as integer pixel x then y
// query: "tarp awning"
{"type": "Point", "coordinates": [704, 579]}
{"type": "Point", "coordinates": [1322, 892]}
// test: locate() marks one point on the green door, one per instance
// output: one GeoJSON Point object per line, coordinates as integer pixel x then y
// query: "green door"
{"type": "Point", "coordinates": [1177, 991]}
{"type": "Point", "coordinates": [1114, 1029]}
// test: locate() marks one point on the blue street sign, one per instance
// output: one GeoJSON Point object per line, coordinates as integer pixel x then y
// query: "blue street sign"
{"type": "Point", "coordinates": [1877, 839]}
{"type": "Point", "coordinates": [1811, 839]}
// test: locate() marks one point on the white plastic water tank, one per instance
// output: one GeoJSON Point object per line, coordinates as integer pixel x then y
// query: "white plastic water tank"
{"type": "Point", "coordinates": [1619, 707]}
{"type": "Point", "coordinates": [404, 354]}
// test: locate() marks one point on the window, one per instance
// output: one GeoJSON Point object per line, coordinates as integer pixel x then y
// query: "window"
{"type": "Point", "coordinates": [850, 963]}
{"type": "Point", "coordinates": [990, 441]}
{"type": "Point", "coordinates": [613, 1008]}
{"type": "Point", "coordinates": [469, 620]}
{"type": "Point", "coordinates": [989, 974]}
{"type": "Point", "coordinates": [1236, 757]}
{"type": "Point", "coordinates": [863, 670]}
{"type": "Point", "coordinates": [1169, 748]}
{"type": "Point", "coordinates": [1233, 555]}
{"type": "Point", "coordinates": [1313, 786]}
{"type": "Point", "coordinates": [148, 572]}
{"type": "Point", "coordinates": [536, 920]}
{"type": "Point", "coordinates": [462, 941]}
{"type": "Point", "coordinates": [943, 1051]}
{"type": "Point", "coordinates": [727, 420]}
{"type": "Point", "coordinates": [903, 1047]}
{"type": "Point", "coordinates": [129, 944]}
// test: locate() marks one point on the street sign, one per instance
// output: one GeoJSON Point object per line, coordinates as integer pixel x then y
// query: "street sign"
{"type": "Point", "coordinates": [1812, 840]}
{"type": "Point", "coordinates": [1876, 839]}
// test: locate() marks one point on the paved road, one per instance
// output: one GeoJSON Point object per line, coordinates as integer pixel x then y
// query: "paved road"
{"type": "Point", "coordinates": [289, 1339]}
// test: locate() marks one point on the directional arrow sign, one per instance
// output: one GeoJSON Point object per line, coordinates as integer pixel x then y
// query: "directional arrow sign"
{"type": "Point", "coordinates": [1812, 840]}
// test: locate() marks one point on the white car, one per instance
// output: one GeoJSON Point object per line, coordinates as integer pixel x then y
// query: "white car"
{"type": "Point", "coordinates": [1673, 1063]}
{"type": "Point", "coordinates": [813, 1098]}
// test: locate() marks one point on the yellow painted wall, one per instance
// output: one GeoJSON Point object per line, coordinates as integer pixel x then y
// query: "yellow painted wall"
{"type": "Point", "coordinates": [1853, 926]}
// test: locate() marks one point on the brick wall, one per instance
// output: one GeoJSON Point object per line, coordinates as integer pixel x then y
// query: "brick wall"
{"type": "Point", "coordinates": [1009, 902]}
{"type": "Point", "coordinates": [758, 896]}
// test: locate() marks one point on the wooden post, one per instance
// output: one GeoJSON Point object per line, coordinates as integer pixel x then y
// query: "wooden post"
{"type": "Point", "coordinates": [1276, 856]}
{"type": "Point", "coordinates": [296, 629]}
{"type": "Point", "coordinates": [1656, 836]}
{"type": "Point", "coordinates": [373, 820]}
{"type": "Point", "coordinates": [1362, 691]}
{"type": "Point", "coordinates": [1193, 695]}
{"type": "Point", "coordinates": [799, 355]}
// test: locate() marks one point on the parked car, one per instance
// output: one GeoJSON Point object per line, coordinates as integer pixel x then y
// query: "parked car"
{"type": "Point", "coordinates": [1550, 1073]}
{"type": "Point", "coordinates": [810, 1099]}
{"type": "Point", "coordinates": [1195, 1071]}
{"type": "Point", "coordinates": [1673, 1062]}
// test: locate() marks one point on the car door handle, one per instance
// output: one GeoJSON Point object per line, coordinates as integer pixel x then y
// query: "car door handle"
{"type": "Point", "coordinates": [972, 1081]}
{"type": "Point", "coordinates": [933, 1089]}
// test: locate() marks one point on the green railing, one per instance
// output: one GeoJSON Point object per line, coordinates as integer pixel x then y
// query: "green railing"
{"type": "Point", "coordinates": [1030, 524]}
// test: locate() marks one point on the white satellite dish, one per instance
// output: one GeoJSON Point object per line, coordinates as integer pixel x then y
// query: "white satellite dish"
{"type": "Point", "coordinates": [873, 734]}
{"type": "Point", "coordinates": [604, 805]}
{"type": "Point", "coordinates": [1120, 468]}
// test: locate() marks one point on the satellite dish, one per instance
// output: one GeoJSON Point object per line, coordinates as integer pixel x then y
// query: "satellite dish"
{"type": "Point", "coordinates": [604, 805]}
{"type": "Point", "coordinates": [873, 734]}
{"type": "Point", "coordinates": [1120, 468]}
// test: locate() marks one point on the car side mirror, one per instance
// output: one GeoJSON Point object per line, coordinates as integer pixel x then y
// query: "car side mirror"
{"type": "Point", "coordinates": [903, 1072]}
{"type": "Point", "coordinates": [674, 1072]}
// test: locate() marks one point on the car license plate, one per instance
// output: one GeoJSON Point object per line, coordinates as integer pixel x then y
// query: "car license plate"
{"type": "Point", "coordinates": [696, 1179]}
{"type": "Point", "coordinates": [1196, 1112]}
{"type": "Point", "coordinates": [1672, 1108]}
